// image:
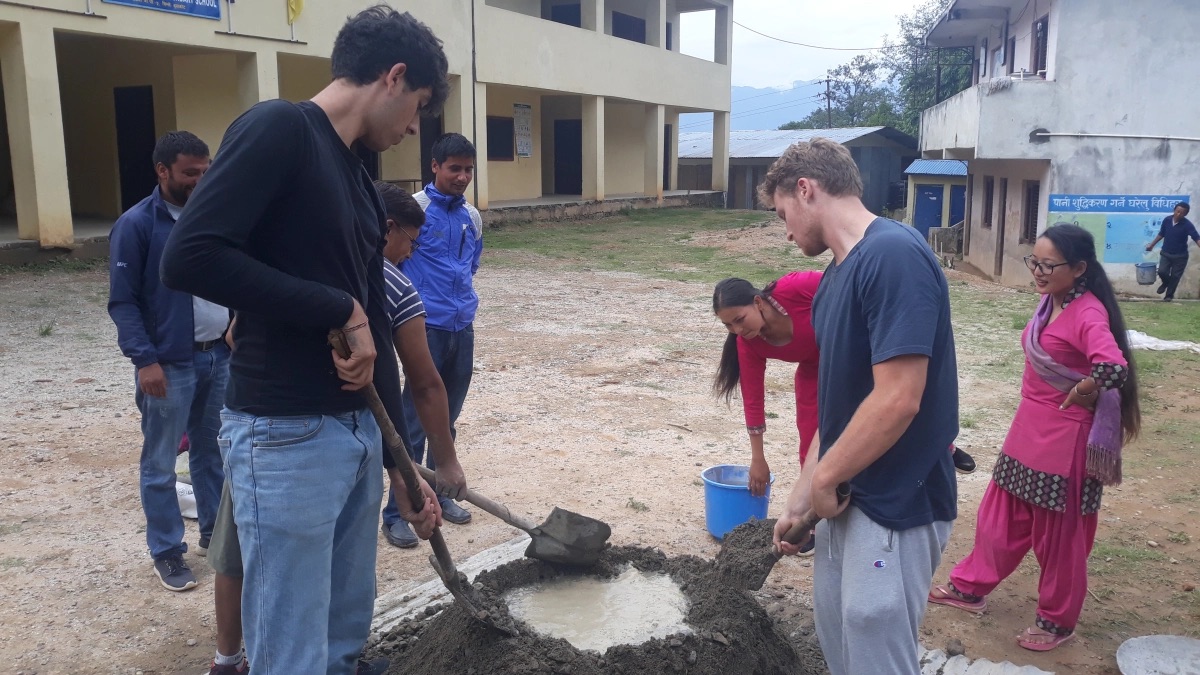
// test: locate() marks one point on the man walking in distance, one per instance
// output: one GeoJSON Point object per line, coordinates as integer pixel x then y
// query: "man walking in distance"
{"type": "Point", "coordinates": [175, 343]}
{"type": "Point", "coordinates": [1174, 233]}
{"type": "Point", "coordinates": [442, 268]}
{"type": "Point", "coordinates": [288, 231]}
{"type": "Point", "coordinates": [888, 402]}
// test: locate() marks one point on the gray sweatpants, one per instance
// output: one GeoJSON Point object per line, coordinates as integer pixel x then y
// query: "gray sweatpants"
{"type": "Point", "coordinates": [870, 586]}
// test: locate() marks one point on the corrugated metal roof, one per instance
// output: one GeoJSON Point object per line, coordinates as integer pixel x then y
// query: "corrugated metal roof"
{"type": "Point", "coordinates": [938, 167]}
{"type": "Point", "coordinates": [770, 143]}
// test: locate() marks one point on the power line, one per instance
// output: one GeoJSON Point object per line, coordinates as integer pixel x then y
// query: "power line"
{"type": "Point", "coordinates": [757, 111]}
{"type": "Point", "coordinates": [801, 44]}
{"type": "Point", "coordinates": [778, 92]}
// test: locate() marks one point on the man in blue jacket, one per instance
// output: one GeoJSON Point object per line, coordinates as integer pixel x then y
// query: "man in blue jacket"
{"type": "Point", "coordinates": [1174, 233]}
{"type": "Point", "coordinates": [444, 261]}
{"type": "Point", "coordinates": [176, 344]}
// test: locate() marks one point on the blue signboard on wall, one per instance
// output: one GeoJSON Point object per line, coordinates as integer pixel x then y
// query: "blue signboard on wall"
{"type": "Point", "coordinates": [1121, 224]}
{"type": "Point", "coordinates": [206, 9]}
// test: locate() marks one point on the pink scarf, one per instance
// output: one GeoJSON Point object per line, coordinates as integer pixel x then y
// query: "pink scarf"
{"type": "Point", "coordinates": [1104, 440]}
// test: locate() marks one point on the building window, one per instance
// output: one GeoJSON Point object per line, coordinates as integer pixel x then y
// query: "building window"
{"type": "Point", "coordinates": [1041, 43]}
{"type": "Point", "coordinates": [500, 139]}
{"type": "Point", "coordinates": [1029, 226]}
{"type": "Point", "coordinates": [628, 27]}
{"type": "Point", "coordinates": [989, 196]}
{"type": "Point", "coordinates": [1010, 56]}
{"type": "Point", "coordinates": [983, 60]}
{"type": "Point", "coordinates": [967, 215]}
{"type": "Point", "coordinates": [570, 14]}
{"type": "Point", "coordinates": [1002, 216]}
{"type": "Point", "coordinates": [670, 37]}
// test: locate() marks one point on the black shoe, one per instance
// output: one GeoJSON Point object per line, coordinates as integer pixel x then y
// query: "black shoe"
{"type": "Point", "coordinates": [963, 463]}
{"type": "Point", "coordinates": [400, 534]}
{"type": "Point", "coordinates": [1168, 299]}
{"type": "Point", "coordinates": [807, 549]}
{"type": "Point", "coordinates": [174, 574]}
{"type": "Point", "coordinates": [1162, 289]}
{"type": "Point", "coordinates": [376, 667]}
{"type": "Point", "coordinates": [202, 547]}
{"type": "Point", "coordinates": [453, 513]}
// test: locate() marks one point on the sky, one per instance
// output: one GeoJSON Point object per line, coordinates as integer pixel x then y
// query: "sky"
{"type": "Point", "coordinates": [762, 62]}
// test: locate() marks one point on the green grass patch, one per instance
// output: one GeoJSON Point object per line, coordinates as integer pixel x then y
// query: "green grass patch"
{"type": "Point", "coordinates": [9, 563]}
{"type": "Point", "coordinates": [10, 528]}
{"type": "Point", "coordinates": [634, 504]}
{"type": "Point", "coordinates": [1109, 558]}
{"type": "Point", "coordinates": [56, 266]}
{"type": "Point", "coordinates": [967, 422]}
{"type": "Point", "coordinates": [1164, 320]}
{"type": "Point", "coordinates": [1179, 538]}
{"type": "Point", "coordinates": [676, 244]}
{"type": "Point", "coordinates": [46, 330]}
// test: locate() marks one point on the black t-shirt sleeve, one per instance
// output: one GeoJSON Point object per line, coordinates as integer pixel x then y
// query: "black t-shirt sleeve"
{"type": "Point", "coordinates": [206, 254]}
{"type": "Point", "coordinates": [900, 305]}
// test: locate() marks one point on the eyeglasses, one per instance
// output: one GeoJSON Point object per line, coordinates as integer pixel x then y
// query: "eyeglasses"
{"type": "Point", "coordinates": [415, 244]}
{"type": "Point", "coordinates": [1044, 268]}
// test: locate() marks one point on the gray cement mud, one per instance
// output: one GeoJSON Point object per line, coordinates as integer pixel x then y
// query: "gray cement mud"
{"type": "Point", "coordinates": [731, 632]}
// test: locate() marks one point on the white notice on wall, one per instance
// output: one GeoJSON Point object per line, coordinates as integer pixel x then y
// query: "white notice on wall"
{"type": "Point", "coordinates": [523, 129]}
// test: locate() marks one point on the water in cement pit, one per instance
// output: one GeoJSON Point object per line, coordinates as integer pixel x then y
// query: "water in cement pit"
{"type": "Point", "coordinates": [594, 613]}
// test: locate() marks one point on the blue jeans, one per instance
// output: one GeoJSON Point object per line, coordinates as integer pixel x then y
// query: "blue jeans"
{"type": "Point", "coordinates": [195, 393]}
{"type": "Point", "coordinates": [454, 356]}
{"type": "Point", "coordinates": [305, 493]}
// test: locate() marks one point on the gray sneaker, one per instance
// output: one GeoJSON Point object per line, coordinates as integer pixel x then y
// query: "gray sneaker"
{"type": "Point", "coordinates": [174, 574]}
{"type": "Point", "coordinates": [453, 513]}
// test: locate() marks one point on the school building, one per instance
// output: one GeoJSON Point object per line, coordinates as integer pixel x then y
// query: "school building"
{"type": "Point", "coordinates": [567, 102]}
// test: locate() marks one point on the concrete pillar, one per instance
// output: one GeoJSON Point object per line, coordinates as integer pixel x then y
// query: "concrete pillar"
{"type": "Point", "coordinates": [592, 15]}
{"type": "Point", "coordinates": [593, 148]}
{"type": "Point", "coordinates": [258, 78]}
{"type": "Point", "coordinates": [481, 141]}
{"type": "Point", "coordinates": [723, 38]}
{"type": "Point", "coordinates": [720, 165]}
{"type": "Point", "coordinates": [673, 120]}
{"type": "Point", "coordinates": [29, 66]}
{"type": "Point", "coordinates": [656, 23]}
{"type": "Point", "coordinates": [458, 113]}
{"type": "Point", "coordinates": [655, 140]}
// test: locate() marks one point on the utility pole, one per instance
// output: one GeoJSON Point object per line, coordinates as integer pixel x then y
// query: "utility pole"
{"type": "Point", "coordinates": [828, 106]}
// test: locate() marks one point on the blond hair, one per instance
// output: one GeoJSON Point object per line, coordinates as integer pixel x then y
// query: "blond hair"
{"type": "Point", "coordinates": [821, 160]}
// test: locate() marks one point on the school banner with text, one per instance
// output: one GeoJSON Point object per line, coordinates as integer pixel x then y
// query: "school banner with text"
{"type": "Point", "coordinates": [1121, 224]}
{"type": "Point", "coordinates": [206, 9]}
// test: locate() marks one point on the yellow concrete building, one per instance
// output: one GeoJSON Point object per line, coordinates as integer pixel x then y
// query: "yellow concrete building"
{"type": "Point", "coordinates": [564, 100]}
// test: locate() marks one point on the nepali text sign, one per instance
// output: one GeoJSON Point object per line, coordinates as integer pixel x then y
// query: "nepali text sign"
{"type": "Point", "coordinates": [523, 128]}
{"type": "Point", "coordinates": [207, 9]}
{"type": "Point", "coordinates": [1121, 224]}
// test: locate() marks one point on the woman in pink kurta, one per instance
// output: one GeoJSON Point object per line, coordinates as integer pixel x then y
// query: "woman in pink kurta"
{"type": "Point", "coordinates": [774, 323]}
{"type": "Point", "coordinates": [1078, 404]}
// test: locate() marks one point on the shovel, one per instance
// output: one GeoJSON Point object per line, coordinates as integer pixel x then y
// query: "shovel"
{"type": "Point", "coordinates": [752, 575]}
{"type": "Point", "coordinates": [566, 537]}
{"type": "Point", "coordinates": [464, 594]}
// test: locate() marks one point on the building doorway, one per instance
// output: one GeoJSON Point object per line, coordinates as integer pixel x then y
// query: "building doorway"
{"type": "Point", "coordinates": [568, 157]}
{"type": "Point", "coordinates": [135, 143]}
{"type": "Point", "coordinates": [431, 130]}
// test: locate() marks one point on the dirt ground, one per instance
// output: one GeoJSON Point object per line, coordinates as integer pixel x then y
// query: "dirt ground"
{"type": "Point", "coordinates": [591, 393]}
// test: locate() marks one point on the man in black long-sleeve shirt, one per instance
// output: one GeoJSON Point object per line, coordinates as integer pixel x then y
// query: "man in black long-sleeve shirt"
{"type": "Point", "coordinates": [288, 231]}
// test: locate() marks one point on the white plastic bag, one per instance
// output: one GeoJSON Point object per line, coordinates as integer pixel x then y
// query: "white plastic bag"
{"type": "Point", "coordinates": [187, 499]}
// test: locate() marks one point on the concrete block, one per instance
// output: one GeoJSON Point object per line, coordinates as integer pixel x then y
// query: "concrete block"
{"type": "Point", "coordinates": [957, 665]}
{"type": "Point", "coordinates": [932, 661]}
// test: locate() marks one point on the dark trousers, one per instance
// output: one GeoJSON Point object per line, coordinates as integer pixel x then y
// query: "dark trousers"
{"type": "Point", "coordinates": [1170, 270]}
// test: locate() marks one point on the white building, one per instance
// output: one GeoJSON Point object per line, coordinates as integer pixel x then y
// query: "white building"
{"type": "Point", "coordinates": [1082, 111]}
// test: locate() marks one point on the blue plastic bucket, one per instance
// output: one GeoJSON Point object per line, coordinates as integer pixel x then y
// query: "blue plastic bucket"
{"type": "Point", "coordinates": [1146, 273]}
{"type": "Point", "coordinates": [727, 499]}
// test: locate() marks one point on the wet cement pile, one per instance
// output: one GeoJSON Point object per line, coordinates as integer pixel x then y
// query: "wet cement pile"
{"type": "Point", "coordinates": [731, 631]}
{"type": "Point", "coordinates": [747, 554]}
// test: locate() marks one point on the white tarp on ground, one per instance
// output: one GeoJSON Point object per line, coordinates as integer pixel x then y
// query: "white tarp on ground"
{"type": "Point", "coordinates": [1139, 340]}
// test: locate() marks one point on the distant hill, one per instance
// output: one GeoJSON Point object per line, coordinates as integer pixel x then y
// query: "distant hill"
{"type": "Point", "coordinates": [762, 108]}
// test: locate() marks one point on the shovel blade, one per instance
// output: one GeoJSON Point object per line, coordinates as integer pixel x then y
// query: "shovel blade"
{"type": "Point", "coordinates": [569, 538]}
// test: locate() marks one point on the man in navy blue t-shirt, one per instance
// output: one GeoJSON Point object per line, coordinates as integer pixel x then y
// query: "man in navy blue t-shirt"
{"type": "Point", "coordinates": [1174, 233]}
{"type": "Point", "coordinates": [888, 402]}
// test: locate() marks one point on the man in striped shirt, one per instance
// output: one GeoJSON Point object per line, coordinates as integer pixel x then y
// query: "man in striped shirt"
{"type": "Point", "coordinates": [407, 315]}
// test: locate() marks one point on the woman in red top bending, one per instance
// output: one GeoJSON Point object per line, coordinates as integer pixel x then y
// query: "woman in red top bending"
{"type": "Point", "coordinates": [772, 323]}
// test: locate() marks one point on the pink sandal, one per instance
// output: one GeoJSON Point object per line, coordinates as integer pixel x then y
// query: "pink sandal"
{"type": "Point", "coordinates": [1038, 640]}
{"type": "Point", "coordinates": [952, 597]}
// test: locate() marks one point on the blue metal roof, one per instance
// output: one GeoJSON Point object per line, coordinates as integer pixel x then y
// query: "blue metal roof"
{"type": "Point", "coordinates": [938, 167]}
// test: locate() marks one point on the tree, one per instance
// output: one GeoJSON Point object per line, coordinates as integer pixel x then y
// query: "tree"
{"type": "Point", "coordinates": [913, 68]}
{"type": "Point", "coordinates": [857, 98]}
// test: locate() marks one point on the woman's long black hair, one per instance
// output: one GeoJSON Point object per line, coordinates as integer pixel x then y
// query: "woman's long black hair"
{"type": "Point", "coordinates": [732, 292]}
{"type": "Point", "coordinates": [1077, 245]}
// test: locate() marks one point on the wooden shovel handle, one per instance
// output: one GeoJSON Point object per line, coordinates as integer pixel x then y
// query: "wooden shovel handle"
{"type": "Point", "coordinates": [486, 503]}
{"type": "Point", "coordinates": [798, 532]}
{"type": "Point", "coordinates": [396, 446]}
